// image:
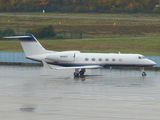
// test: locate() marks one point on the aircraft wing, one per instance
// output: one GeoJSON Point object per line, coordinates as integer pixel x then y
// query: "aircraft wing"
{"type": "Point", "coordinates": [81, 67]}
{"type": "Point", "coordinates": [45, 65]}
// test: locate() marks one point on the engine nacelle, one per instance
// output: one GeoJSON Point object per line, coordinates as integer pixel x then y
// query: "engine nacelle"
{"type": "Point", "coordinates": [67, 56]}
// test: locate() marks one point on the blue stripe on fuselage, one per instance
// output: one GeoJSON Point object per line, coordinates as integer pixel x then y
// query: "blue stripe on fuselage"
{"type": "Point", "coordinates": [103, 65]}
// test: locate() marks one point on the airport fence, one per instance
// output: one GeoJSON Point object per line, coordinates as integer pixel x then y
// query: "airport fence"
{"type": "Point", "coordinates": [19, 58]}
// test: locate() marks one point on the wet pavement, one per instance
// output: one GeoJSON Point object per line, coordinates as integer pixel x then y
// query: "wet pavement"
{"type": "Point", "coordinates": [31, 93]}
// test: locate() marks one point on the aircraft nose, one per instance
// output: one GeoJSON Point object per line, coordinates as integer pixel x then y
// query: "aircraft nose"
{"type": "Point", "coordinates": [153, 63]}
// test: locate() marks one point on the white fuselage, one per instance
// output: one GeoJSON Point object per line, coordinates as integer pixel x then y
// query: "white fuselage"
{"type": "Point", "coordinates": [72, 59]}
{"type": "Point", "coordinates": [35, 51]}
{"type": "Point", "coordinates": [77, 60]}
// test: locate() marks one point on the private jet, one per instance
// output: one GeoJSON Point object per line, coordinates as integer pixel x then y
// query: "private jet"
{"type": "Point", "coordinates": [77, 60]}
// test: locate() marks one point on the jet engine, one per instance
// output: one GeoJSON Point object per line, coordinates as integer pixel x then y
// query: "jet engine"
{"type": "Point", "coordinates": [67, 56]}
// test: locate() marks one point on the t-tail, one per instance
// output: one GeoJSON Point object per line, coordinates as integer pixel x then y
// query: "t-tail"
{"type": "Point", "coordinates": [30, 45]}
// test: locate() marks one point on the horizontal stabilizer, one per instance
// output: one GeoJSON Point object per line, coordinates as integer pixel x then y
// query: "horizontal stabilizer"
{"type": "Point", "coordinates": [13, 37]}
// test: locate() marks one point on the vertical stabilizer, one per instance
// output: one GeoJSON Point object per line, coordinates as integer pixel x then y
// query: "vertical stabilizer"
{"type": "Point", "coordinates": [30, 44]}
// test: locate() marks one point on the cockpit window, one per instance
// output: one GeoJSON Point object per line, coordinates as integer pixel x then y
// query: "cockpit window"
{"type": "Point", "coordinates": [141, 57]}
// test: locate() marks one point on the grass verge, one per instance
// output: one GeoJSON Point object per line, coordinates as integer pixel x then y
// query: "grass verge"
{"type": "Point", "coordinates": [150, 46]}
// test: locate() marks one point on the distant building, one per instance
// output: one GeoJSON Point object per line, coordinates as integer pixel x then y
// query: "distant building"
{"type": "Point", "coordinates": [158, 5]}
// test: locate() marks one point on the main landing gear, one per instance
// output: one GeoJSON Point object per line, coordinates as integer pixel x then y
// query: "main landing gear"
{"type": "Point", "coordinates": [143, 72]}
{"type": "Point", "coordinates": [78, 73]}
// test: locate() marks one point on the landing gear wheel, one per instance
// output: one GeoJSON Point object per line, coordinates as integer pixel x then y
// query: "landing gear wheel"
{"type": "Point", "coordinates": [144, 74]}
{"type": "Point", "coordinates": [76, 74]}
{"type": "Point", "coordinates": [81, 73]}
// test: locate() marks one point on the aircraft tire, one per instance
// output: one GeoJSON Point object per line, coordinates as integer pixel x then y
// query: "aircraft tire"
{"type": "Point", "coordinates": [81, 73]}
{"type": "Point", "coordinates": [144, 74]}
{"type": "Point", "coordinates": [76, 74]}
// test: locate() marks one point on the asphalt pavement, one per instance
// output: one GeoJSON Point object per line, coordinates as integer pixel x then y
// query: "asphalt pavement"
{"type": "Point", "coordinates": [31, 93]}
{"type": "Point", "coordinates": [84, 17]}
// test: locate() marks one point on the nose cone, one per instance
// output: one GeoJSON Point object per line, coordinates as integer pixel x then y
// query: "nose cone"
{"type": "Point", "coordinates": [153, 63]}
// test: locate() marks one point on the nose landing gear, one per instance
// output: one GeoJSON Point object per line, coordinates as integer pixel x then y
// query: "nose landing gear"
{"type": "Point", "coordinates": [143, 72]}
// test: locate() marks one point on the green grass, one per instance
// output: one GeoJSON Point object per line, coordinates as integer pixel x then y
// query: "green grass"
{"type": "Point", "coordinates": [141, 46]}
{"type": "Point", "coordinates": [91, 28]}
{"type": "Point", "coordinates": [120, 15]}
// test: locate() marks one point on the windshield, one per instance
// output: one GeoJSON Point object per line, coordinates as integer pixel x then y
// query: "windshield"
{"type": "Point", "coordinates": [141, 57]}
{"type": "Point", "coordinates": [144, 57]}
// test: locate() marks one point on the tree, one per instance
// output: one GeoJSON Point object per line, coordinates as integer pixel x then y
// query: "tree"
{"type": "Point", "coordinates": [8, 32]}
{"type": "Point", "coordinates": [0, 33]}
{"type": "Point", "coordinates": [148, 5]}
{"type": "Point", "coordinates": [79, 5]}
{"type": "Point", "coordinates": [43, 32]}
{"type": "Point", "coordinates": [134, 7]}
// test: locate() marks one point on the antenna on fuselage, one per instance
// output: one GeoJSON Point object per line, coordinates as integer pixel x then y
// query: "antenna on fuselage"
{"type": "Point", "coordinates": [119, 52]}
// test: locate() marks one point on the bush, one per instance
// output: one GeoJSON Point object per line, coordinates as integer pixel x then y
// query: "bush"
{"type": "Point", "coordinates": [59, 37]}
{"type": "Point", "coordinates": [8, 32]}
{"type": "Point", "coordinates": [0, 33]}
{"type": "Point", "coordinates": [42, 32]}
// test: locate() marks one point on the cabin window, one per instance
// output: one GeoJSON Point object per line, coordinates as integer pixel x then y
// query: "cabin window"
{"type": "Point", "coordinates": [86, 59]}
{"type": "Point", "coordinates": [120, 59]}
{"type": "Point", "coordinates": [113, 59]}
{"type": "Point", "coordinates": [93, 59]}
{"type": "Point", "coordinates": [107, 59]}
{"type": "Point", "coordinates": [100, 59]}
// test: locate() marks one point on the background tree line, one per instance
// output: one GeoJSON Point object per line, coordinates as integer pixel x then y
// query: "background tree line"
{"type": "Point", "coordinates": [80, 6]}
{"type": "Point", "coordinates": [6, 32]}
{"type": "Point", "coordinates": [39, 32]}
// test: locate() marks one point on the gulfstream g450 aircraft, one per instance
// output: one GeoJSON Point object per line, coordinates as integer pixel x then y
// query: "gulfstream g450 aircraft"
{"type": "Point", "coordinates": [77, 60]}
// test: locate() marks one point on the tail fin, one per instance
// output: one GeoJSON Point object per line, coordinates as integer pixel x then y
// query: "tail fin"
{"type": "Point", "coordinates": [30, 44]}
